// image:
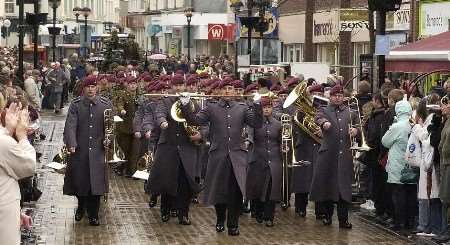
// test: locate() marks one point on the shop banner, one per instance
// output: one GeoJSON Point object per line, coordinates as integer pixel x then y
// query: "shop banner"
{"type": "Point", "coordinates": [353, 19]}
{"type": "Point", "coordinates": [221, 32]}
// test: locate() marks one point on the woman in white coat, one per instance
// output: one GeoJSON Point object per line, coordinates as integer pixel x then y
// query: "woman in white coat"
{"type": "Point", "coordinates": [17, 161]}
{"type": "Point", "coordinates": [428, 194]}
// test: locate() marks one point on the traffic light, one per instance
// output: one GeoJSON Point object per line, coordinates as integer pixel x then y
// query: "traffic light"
{"type": "Point", "coordinates": [384, 5]}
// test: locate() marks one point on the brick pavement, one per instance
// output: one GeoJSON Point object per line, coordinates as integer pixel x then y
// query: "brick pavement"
{"type": "Point", "coordinates": [126, 218]}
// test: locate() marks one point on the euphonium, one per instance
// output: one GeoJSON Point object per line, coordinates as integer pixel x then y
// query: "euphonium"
{"type": "Point", "coordinates": [177, 115]}
{"type": "Point", "coordinates": [118, 157]}
{"type": "Point", "coordinates": [302, 100]}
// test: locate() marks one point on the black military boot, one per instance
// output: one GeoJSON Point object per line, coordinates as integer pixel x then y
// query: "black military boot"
{"type": "Point", "coordinates": [184, 220]}
{"type": "Point", "coordinates": [79, 213]}
{"type": "Point", "coordinates": [233, 231]}
{"type": "Point", "coordinates": [165, 215]}
{"type": "Point", "coordinates": [345, 225]}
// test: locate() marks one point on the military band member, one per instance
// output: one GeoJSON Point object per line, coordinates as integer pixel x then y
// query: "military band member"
{"type": "Point", "coordinates": [306, 149]}
{"type": "Point", "coordinates": [86, 175]}
{"type": "Point", "coordinates": [173, 175]}
{"type": "Point", "coordinates": [264, 177]}
{"type": "Point", "coordinates": [333, 176]}
{"type": "Point", "coordinates": [227, 163]}
{"type": "Point", "coordinates": [128, 140]}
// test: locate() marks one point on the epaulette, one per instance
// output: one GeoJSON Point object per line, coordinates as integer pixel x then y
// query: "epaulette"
{"type": "Point", "coordinates": [77, 99]}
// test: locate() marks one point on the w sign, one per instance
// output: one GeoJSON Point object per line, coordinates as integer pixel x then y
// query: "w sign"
{"type": "Point", "coordinates": [217, 32]}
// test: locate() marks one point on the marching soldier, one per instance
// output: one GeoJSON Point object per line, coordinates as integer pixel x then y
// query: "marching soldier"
{"type": "Point", "coordinates": [173, 175]}
{"type": "Point", "coordinates": [264, 177]}
{"type": "Point", "coordinates": [333, 176]}
{"type": "Point", "coordinates": [306, 149]}
{"type": "Point", "coordinates": [86, 175]}
{"type": "Point", "coordinates": [227, 163]}
{"type": "Point", "coordinates": [128, 140]}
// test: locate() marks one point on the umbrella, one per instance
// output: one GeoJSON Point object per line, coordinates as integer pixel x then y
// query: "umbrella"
{"type": "Point", "coordinates": [158, 57]}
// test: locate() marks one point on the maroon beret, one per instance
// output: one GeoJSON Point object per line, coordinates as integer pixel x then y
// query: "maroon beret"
{"type": "Point", "coordinates": [238, 84]}
{"type": "Point", "coordinates": [293, 82]}
{"type": "Point", "coordinates": [275, 88]}
{"type": "Point", "coordinates": [130, 80]}
{"type": "Point", "coordinates": [177, 79]}
{"type": "Point", "coordinates": [191, 80]}
{"type": "Point", "coordinates": [90, 80]}
{"type": "Point", "coordinates": [226, 82]}
{"type": "Point", "coordinates": [111, 79]}
{"type": "Point", "coordinates": [250, 87]}
{"type": "Point", "coordinates": [283, 91]}
{"type": "Point", "coordinates": [338, 89]}
{"type": "Point", "coordinates": [316, 88]}
{"type": "Point", "coordinates": [266, 101]}
{"type": "Point", "coordinates": [214, 84]}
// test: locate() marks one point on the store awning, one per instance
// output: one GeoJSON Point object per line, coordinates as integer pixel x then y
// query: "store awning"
{"type": "Point", "coordinates": [426, 55]}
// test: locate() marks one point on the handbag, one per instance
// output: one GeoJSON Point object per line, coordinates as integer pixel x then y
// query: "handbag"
{"type": "Point", "coordinates": [409, 175]}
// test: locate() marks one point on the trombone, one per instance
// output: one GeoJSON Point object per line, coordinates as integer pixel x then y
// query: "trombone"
{"type": "Point", "coordinates": [353, 106]}
{"type": "Point", "coordinates": [288, 156]}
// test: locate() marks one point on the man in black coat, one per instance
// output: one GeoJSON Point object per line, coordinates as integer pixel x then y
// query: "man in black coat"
{"type": "Point", "coordinates": [227, 163]}
{"type": "Point", "coordinates": [173, 175]}
{"type": "Point", "coordinates": [333, 176]}
{"type": "Point", "coordinates": [86, 175]}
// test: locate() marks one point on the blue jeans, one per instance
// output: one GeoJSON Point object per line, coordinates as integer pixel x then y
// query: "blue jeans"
{"type": "Point", "coordinates": [430, 216]}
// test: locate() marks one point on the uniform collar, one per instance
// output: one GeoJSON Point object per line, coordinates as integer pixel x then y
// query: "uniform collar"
{"type": "Point", "coordinates": [224, 103]}
{"type": "Point", "coordinates": [94, 101]}
{"type": "Point", "coordinates": [337, 108]}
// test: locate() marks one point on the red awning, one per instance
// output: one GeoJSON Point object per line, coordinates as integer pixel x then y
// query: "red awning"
{"type": "Point", "coordinates": [426, 55]}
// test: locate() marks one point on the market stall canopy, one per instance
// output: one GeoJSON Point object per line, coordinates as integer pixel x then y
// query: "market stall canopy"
{"type": "Point", "coordinates": [423, 56]}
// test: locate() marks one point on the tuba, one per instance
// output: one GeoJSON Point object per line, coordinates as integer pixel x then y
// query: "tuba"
{"type": "Point", "coordinates": [177, 115]}
{"type": "Point", "coordinates": [305, 110]}
{"type": "Point", "coordinates": [117, 157]}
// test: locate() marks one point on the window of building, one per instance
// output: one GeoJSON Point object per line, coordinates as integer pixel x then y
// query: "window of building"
{"type": "Point", "coordinates": [9, 6]}
{"type": "Point", "coordinates": [293, 52]}
{"type": "Point", "coordinates": [179, 3]}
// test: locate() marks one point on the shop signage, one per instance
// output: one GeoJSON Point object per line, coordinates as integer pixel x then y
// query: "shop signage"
{"type": "Point", "coordinates": [434, 18]}
{"type": "Point", "coordinates": [353, 19]}
{"type": "Point", "coordinates": [137, 21]}
{"type": "Point", "coordinates": [326, 26]}
{"type": "Point", "coordinates": [221, 32]}
{"type": "Point", "coordinates": [398, 20]}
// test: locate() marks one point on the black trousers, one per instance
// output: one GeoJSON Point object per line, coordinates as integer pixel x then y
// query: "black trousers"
{"type": "Point", "coordinates": [89, 203]}
{"type": "Point", "coordinates": [404, 198]}
{"type": "Point", "coordinates": [266, 208]}
{"type": "Point", "coordinates": [183, 198]}
{"type": "Point", "coordinates": [232, 209]}
{"type": "Point", "coordinates": [301, 201]}
{"type": "Point", "coordinates": [342, 209]}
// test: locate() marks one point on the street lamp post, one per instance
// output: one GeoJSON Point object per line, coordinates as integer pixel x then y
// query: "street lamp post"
{"type": "Point", "coordinates": [236, 7]}
{"type": "Point", "coordinates": [86, 12]}
{"type": "Point", "coordinates": [188, 14]}
{"type": "Point", "coordinates": [55, 5]}
{"type": "Point", "coordinates": [77, 11]}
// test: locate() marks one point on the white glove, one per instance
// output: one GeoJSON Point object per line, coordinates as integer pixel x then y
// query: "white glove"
{"type": "Point", "coordinates": [185, 99]}
{"type": "Point", "coordinates": [257, 98]}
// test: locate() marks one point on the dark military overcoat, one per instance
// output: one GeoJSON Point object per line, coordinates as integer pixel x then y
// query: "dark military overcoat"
{"type": "Point", "coordinates": [174, 148]}
{"type": "Point", "coordinates": [333, 174]}
{"type": "Point", "coordinates": [84, 129]}
{"type": "Point", "coordinates": [226, 121]}
{"type": "Point", "coordinates": [265, 162]}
